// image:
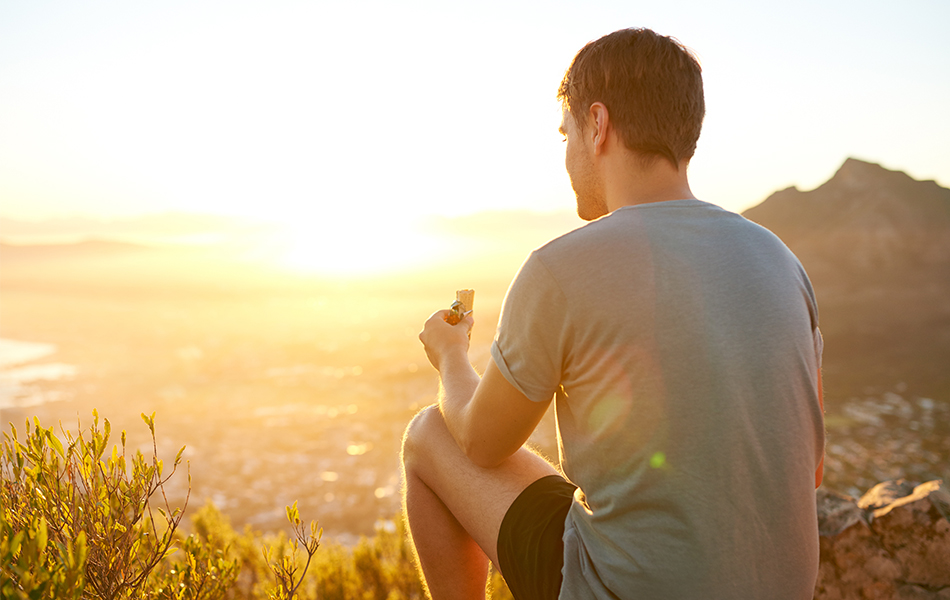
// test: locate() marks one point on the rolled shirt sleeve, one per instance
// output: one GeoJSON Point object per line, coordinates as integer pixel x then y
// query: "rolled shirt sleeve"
{"type": "Point", "coordinates": [532, 336]}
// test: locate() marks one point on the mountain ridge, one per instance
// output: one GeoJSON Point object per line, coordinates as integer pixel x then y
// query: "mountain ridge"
{"type": "Point", "coordinates": [876, 246]}
{"type": "Point", "coordinates": [864, 217]}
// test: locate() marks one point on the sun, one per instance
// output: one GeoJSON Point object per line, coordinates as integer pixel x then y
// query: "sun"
{"type": "Point", "coordinates": [365, 248]}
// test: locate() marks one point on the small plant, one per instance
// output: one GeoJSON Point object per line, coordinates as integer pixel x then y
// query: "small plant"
{"type": "Point", "coordinates": [285, 567]}
{"type": "Point", "coordinates": [203, 573]}
{"type": "Point", "coordinates": [77, 517]}
{"type": "Point", "coordinates": [32, 567]}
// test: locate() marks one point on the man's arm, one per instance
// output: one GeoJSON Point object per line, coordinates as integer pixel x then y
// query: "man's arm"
{"type": "Point", "coordinates": [820, 472]}
{"type": "Point", "coordinates": [488, 417]}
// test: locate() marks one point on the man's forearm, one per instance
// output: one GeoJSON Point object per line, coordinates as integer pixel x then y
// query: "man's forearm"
{"type": "Point", "coordinates": [459, 381]}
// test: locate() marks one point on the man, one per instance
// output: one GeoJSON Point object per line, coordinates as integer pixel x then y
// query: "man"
{"type": "Point", "coordinates": [680, 343]}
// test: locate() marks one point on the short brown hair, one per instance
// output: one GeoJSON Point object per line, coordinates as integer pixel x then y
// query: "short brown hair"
{"type": "Point", "coordinates": [651, 85]}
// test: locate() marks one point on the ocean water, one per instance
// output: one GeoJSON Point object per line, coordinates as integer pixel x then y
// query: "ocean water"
{"type": "Point", "coordinates": [21, 374]}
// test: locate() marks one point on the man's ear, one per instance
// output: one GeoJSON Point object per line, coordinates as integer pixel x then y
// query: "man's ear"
{"type": "Point", "coordinates": [600, 126]}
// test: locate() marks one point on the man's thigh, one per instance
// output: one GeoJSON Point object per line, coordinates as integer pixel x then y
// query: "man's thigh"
{"type": "Point", "coordinates": [476, 496]}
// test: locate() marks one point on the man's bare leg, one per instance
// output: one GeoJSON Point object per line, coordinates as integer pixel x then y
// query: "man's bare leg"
{"type": "Point", "coordinates": [455, 508]}
{"type": "Point", "coordinates": [453, 565]}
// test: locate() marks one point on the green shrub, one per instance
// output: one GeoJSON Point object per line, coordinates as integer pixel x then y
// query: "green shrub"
{"type": "Point", "coordinates": [253, 575]}
{"type": "Point", "coordinates": [81, 520]}
{"type": "Point", "coordinates": [30, 567]}
{"type": "Point", "coordinates": [79, 492]}
{"type": "Point", "coordinates": [200, 571]}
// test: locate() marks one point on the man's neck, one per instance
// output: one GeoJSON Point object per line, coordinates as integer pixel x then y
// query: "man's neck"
{"type": "Point", "coordinates": [630, 182]}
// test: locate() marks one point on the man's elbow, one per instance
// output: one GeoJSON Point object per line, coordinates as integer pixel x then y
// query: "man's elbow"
{"type": "Point", "coordinates": [483, 454]}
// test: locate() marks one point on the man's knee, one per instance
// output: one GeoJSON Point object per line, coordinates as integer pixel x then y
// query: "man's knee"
{"type": "Point", "coordinates": [421, 429]}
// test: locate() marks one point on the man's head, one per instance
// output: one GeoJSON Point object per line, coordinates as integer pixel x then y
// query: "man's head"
{"type": "Point", "coordinates": [651, 85]}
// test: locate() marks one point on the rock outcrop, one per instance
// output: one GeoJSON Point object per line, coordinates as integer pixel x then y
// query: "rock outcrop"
{"type": "Point", "coordinates": [892, 543]}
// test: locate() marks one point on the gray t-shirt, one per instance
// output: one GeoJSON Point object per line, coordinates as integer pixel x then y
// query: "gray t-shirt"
{"type": "Point", "coordinates": [681, 344]}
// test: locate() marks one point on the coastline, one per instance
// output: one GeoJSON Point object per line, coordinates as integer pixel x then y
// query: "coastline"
{"type": "Point", "coordinates": [21, 375]}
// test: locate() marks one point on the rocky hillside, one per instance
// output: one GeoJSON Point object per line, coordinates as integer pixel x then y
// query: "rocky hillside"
{"type": "Point", "coordinates": [876, 244]}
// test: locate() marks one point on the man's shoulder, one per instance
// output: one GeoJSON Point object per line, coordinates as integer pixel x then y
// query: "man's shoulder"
{"type": "Point", "coordinates": [566, 241]}
{"type": "Point", "coordinates": [646, 235]}
{"type": "Point", "coordinates": [630, 221]}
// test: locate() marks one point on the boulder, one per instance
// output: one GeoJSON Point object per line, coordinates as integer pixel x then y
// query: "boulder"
{"type": "Point", "coordinates": [892, 543]}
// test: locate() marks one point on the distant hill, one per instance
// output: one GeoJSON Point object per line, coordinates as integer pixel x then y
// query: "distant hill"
{"type": "Point", "coordinates": [84, 249]}
{"type": "Point", "coordinates": [864, 217]}
{"type": "Point", "coordinates": [169, 225]}
{"type": "Point", "coordinates": [876, 244]}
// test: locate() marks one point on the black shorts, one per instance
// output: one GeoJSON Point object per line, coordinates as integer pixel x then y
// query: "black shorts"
{"type": "Point", "coordinates": [530, 548]}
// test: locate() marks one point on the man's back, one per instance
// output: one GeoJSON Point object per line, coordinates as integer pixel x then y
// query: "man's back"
{"type": "Point", "coordinates": [681, 342]}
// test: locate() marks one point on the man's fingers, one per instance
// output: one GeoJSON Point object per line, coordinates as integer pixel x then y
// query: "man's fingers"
{"type": "Point", "coordinates": [436, 319]}
{"type": "Point", "coordinates": [468, 322]}
{"type": "Point", "coordinates": [437, 331]}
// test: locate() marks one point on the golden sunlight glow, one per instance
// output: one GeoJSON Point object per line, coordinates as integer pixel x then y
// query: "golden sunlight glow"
{"type": "Point", "coordinates": [355, 249]}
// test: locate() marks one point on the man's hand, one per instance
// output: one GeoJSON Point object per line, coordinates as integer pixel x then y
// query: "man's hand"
{"type": "Point", "coordinates": [489, 418]}
{"type": "Point", "coordinates": [442, 340]}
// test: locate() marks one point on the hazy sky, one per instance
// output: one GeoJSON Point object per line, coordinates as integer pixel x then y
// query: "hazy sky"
{"type": "Point", "coordinates": [362, 116]}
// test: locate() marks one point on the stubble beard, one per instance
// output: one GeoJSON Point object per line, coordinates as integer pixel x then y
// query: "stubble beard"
{"type": "Point", "coordinates": [591, 203]}
{"type": "Point", "coordinates": [589, 208]}
{"type": "Point", "coordinates": [588, 189]}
